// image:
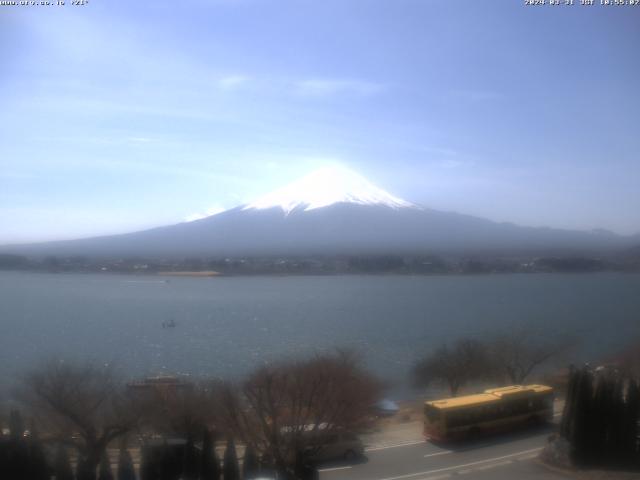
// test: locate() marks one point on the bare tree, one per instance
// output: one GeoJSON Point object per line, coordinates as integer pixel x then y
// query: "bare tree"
{"type": "Point", "coordinates": [517, 353]}
{"type": "Point", "coordinates": [281, 409]}
{"type": "Point", "coordinates": [186, 411]}
{"type": "Point", "coordinates": [83, 406]}
{"type": "Point", "coordinates": [466, 360]}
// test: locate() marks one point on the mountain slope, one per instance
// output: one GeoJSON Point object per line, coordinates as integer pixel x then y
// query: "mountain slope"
{"type": "Point", "coordinates": [336, 229]}
{"type": "Point", "coordinates": [333, 212]}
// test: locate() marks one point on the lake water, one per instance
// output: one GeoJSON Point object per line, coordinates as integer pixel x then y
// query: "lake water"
{"type": "Point", "coordinates": [227, 325]}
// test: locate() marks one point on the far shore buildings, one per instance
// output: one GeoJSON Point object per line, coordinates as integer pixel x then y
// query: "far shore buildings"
{"type": "Point", "coordinates": [164, 385]}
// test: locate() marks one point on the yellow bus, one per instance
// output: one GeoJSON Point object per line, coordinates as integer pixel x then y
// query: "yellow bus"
{"type": "Point", "coordinates": [494, 410]}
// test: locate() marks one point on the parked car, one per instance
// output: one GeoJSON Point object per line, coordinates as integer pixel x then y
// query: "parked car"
{"type": "Point", "coordinates": [386, 408]}
{"type": "Point", "coordinates": [335, 446]}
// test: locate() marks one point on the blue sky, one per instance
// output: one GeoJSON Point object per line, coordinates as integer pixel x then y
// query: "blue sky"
{"type": "Point", "coordinates": [121, 115]}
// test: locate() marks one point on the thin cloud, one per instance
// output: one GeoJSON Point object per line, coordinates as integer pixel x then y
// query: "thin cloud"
{"type": "Point", "coordinates": [451, 163]}
{"type": "Point", "coordinates": [16, 175]}
{"type": "Point", "coordinates": [231, 82]}
{"type": "Point", "coordinates": [214, 210]}
{"type": "Point", "coordinates": [445, 151]}
{"type": "Point", "coordinates": [477, 95]}
{"type": "Point", "coordinates": [320, 87]}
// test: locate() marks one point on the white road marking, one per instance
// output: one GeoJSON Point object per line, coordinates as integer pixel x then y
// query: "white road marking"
{"type": "Point", "coordinates": [494, 465]}
{"type": "Point", "coordinates": [393, 445]}
{"type": "Point", "coordinates": [437, 477]}
{"type": "Point", "coordinates": [455, 467]}
{"type": "Point", "coordinates": [333, 469]}
{"type": "Point", "coordinates": [438, 453]}
{"type": "Point", "coordinates": [527, 457]}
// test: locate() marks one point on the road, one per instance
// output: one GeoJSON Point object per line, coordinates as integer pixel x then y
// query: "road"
{"type": "Point", "coordinates": [502, 457]}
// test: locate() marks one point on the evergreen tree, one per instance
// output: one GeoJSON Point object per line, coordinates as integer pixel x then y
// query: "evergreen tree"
{"type": "Point", "coordinates": [598, 424]}
{"type": "Point", "coordinates": [147, 465]}
{"type": "Point", "coordinates": [568, 413]}
{"type": "Point", "coordinates": [579, 435]}
{"type": "Point", "coordinates": [266, 465]}
{"type": "Point", "coordinates": [209, 463]}
{"type": "Point", "coordinates": [608, 417]}
{"type": "Point", "coordinates": [303, 471]}
{"type": "Point", "coordinates": [16, 460]}
{"type": "Point", "coordinates": [62, 465]}
{"type": "Point", "coordinates": [230, 469]}
{"type": "Point", "coordinates": [618, 410]}
{"type": "Point", "coordinates": [17, 456]}
{"type": "Point", "coordinates": [190, 461]}
{"type": "Point", "coordinates": [105, 472]}
{"type": "Point", "coordinates": [84, 469]}
{"type": "Point", "coordinates": [307, 471]}
{"type": "Point", "coordinates": [4, 457]}
{"type": "Point", "coordinates": [126, 470]}
{"type": "Point", "coordinates": [250, 464]}
{"type": "Point", "coordinates": [38, 467]}
{"type": "Point", "coordinates": [601, 417]}
{"type": "Point", "coordinates": [633, 415]}
{"type": "Point", "coordinates": [16, 425]}
{"type": "Point", "coordinates": [170, 464]}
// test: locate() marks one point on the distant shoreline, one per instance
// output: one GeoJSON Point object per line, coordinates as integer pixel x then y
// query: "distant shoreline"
{"type": "Point", "coordinates": [329, 265]}
{"type": "Point", "coordinates": [204, 273]}
{"type": "Point", "coordinates": [213, 274]}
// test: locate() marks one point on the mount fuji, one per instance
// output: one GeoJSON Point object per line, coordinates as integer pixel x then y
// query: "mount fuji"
{"type": "Point", "coordinates": [325, 187]}
{"type": "Point", "coordinates": [333, 211]}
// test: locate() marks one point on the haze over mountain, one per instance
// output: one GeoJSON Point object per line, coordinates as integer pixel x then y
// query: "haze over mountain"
{"type": "Point", "coordinates": [333, 211]}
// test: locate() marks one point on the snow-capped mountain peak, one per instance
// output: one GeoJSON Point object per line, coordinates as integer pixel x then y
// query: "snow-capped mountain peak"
{"type": "Point", "coordinates": [324, 187]}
